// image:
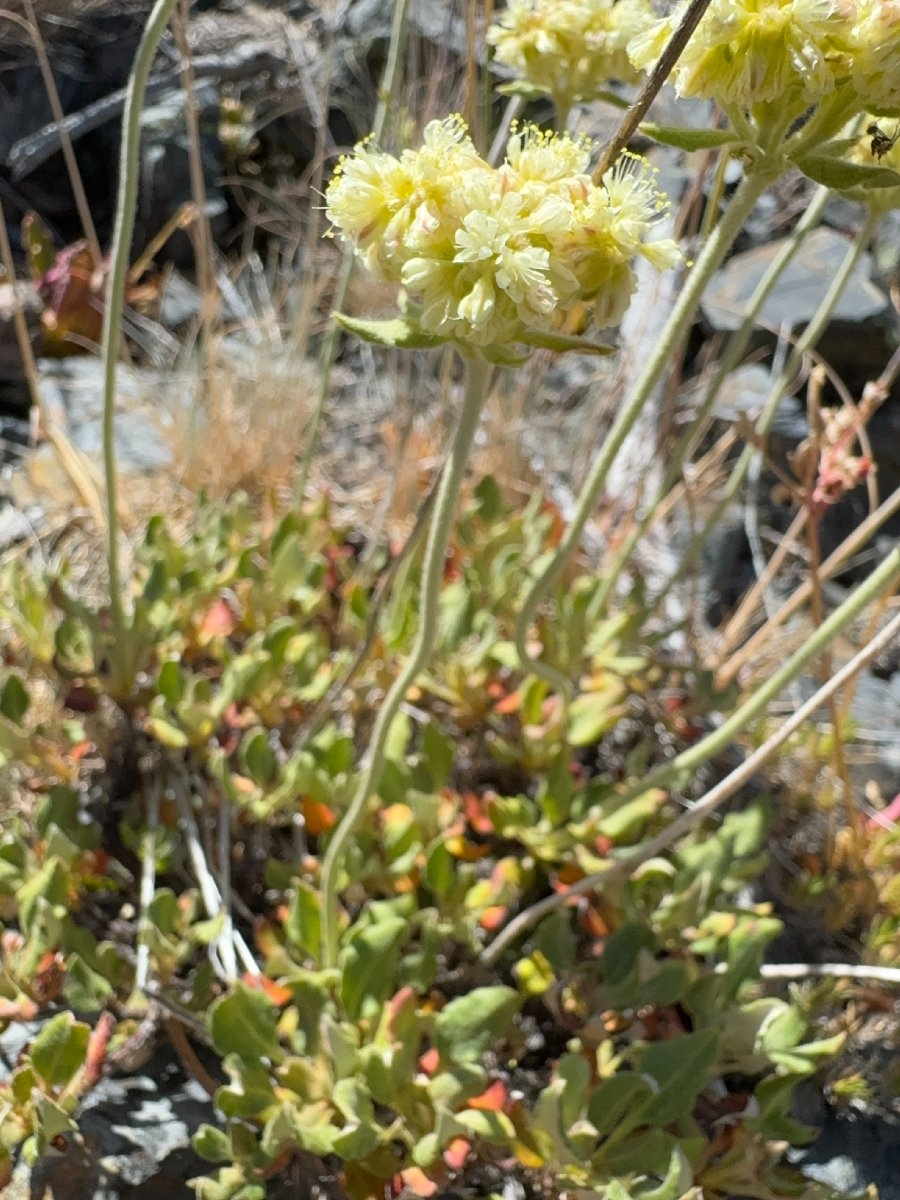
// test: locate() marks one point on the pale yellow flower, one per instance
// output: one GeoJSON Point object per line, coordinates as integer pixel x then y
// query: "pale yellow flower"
{"type": "Point", "coordinates": [751, 52]}
{"type": "Point", "coordinates": [486, 255]}
{"type": "Point", "coordinates": [876, 55]}
{"type": "Point", "coordinates": [569, 49]}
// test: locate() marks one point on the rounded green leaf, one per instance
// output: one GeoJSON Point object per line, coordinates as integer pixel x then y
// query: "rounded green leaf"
{"type": "Point", "coordinates": [243, 1023]}
{"type": "Point", "coordinates": [467, 1026]}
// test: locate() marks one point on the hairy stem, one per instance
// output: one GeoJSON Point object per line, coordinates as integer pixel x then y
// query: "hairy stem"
{"type": "Point", "coordinates": [429, 604]}
{"type": "Point", "coordinates": [126, 201]}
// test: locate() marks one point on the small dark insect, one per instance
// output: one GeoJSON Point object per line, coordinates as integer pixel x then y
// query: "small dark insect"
{"type": "Point", "coordinates": [881, 143]}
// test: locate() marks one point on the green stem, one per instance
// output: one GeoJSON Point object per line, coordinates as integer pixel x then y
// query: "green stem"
{"type": "Point", "coordinates": [123, 230]}
{"type": "Point", "coordinates": [805, 341]}
{"type": "Point", "coordinates": [752, 187]}
{"type": "Point", "coordinates": [477, 373]}
{"type": "Point", "coordinates": [736, 346]}
{"type": "Point", "coordinates": [676, 772]}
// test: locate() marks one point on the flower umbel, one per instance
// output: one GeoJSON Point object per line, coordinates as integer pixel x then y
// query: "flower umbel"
{"type": "Point", "coordinates": [490, 254]}
{"type": "Point", "coordinates": [747, 53]}
{"type": "Point", "coordinates": [569, 49]}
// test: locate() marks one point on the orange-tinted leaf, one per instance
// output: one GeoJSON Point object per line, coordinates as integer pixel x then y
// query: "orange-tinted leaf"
{"type": "Point", "coordinates": [219, 620]}
{"type": "Point", "coordinates": [476, 811]}
{"type": "Point", "coordinates": [416, 1181]}
{"type": "Point", "coordinates": [319, 817]}
{"type": "Point", "coordinates": [429, 1061]}
{"type": "Point", "coordinates": [465, 850]}
{"type": "Point", "coordinates": [567, 874]}
{"type": "Point", "coordinates": [493, 918]}
{"type": "Point", "coordinates": [21, 1009]}
{"type": "Point", "coordinates": [96, 1051]}
{"type": "Point", "coordinates": [509, 704]}
{"type": "Point", "coordinates": [277, 993]}
{"type": "Point", "coordinates": [492, 1099]}
{"type": "Point", "coordinates": [457, 1152]}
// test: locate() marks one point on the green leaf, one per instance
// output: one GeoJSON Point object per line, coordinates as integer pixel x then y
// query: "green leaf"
{"type": "Point", "coordinates": [85, 989]}
{"type": "Point", "coordinates": [259, 757]}
{"type": "Point", "coordinates": [244, 1023]}
{"type": "Point", "coordinates": [438, 753]}
{"type": "Point", "coordinates": [680, 1068]}
{"type": "Point", "coordinates": [562, 343]}
{"type": "Point", "coordinates": [229, 1184]}
{"type": "Point", "coordinates": [58, 1051]}
{"type": "Point", "coordinates": [620, 954]}
{"type": "Point", "coordinates": [618, 1103]}
{"type": "Point", "coordinates": [212, 1144]}
{"type": "Point", "coordinates": [467, 1026]}
{"type": "Point", "coordinates": [250, 1092]}
{"type": "Point", "coordinates": [689, 139]}
{"type": "Point", "coordinates": [401, 333]}
{"type": "Point", "coordinates": [303, 923]}
{"type": "Point", "coordinates": [493, 1127]}
{"type": "Point", "coordinates": [368, 963]}
{"type": "Point", "coordinates": [14, 699]}
{"type": "Point", "coordinates": [842, 175]}
{"type": "Point", "coordinates": [167, 733]}
{"type": "Point", "coordinates": [575, 1073]}
{"type": "Point", "coordinates": [678, 1179]}
{"type": "Point", "coordinates": [170, 682]}
{"type": "Point", "coordinates": [590, 716]}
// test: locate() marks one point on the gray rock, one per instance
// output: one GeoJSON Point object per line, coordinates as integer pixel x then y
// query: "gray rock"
{"type": "Point", "coordinates": [852, 1153]}
{"type": "Point", "coordinates": [134, 1142]}
{"type": "Point", "coordinates": [799, 293]}
{"type": "Point", "coordinates": [74, 387]}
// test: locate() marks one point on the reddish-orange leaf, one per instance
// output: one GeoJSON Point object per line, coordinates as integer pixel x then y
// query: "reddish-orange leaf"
{"type": "Point", "coordinates": [509, 704]}
{"type": "Point", "coordinates": [567, 874]}
{"type": "Point", "coordinates": [476, 810]}
{"type": "Point", "coordinates": [277, 993]}
{"type": "Point", "coordinates": [219, 620]}
{"type": "Point", "coordinates": [416, 1181]}
{"type": "Point", "coordinates": [429, 1061]}
{"type": "Point", "coordinates": [319, 817]}
{"type": "Point", "coordinates": [457, 1152]}
{"type": "Point", "coordinates": [22, 1009]}
{"type": "Point", "coordinates": [96, 1050]}
{"type": "Point", "coordinates": [593, 923]}
{"type": "Point", "coordinates": [492, 1099]}
{"type": "Point", "coordinates": [492, 918]}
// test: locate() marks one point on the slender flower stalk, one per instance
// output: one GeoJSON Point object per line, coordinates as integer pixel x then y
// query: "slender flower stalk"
{"type": "Point", "coordinates": [126, 201]}
{"type": "Point", "coordinates": [676, 328]}
{"type": "Point", "coordinates": [477, 376]}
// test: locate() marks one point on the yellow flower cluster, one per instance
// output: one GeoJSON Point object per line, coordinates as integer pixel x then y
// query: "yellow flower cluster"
{"type": "Point", "coordinates": [790, 54]}
{"type": "Point", "coordinates": [875, 55]}
{"type": "Point", "coordinates": [486, 253]}
{"type": "Point", "coordinates": [569, 49]}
